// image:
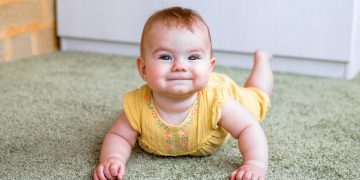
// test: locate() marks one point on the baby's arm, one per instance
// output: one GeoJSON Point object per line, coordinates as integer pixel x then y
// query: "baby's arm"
{"type": "Point", "coordinates": [116, 150]}
{"type": "Point", "coordinates": [251, 139]}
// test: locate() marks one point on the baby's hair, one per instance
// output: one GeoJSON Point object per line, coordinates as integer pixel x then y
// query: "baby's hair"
{"type": "Point", "coordinates": [174, 17]}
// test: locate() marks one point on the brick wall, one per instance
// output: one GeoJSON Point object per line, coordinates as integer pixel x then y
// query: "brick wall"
{"type": "Point", "coordinates": [27, 28]}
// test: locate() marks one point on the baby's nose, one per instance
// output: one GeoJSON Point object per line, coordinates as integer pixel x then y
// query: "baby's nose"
{"type": "Point", "coordinates": [179, 66]}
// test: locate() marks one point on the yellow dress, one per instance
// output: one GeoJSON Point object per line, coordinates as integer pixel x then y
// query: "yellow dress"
{"type": "Point", "coordinates": [200, 133]}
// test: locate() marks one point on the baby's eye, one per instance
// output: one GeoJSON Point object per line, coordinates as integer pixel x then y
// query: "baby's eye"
{"type": "Point", "coordinates": [165, 57]}
{"type": "Point", "coordinates": [194, 57]}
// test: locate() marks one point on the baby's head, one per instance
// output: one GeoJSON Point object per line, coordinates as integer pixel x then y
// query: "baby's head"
{"type": "Point", "coordinates": [174, 17]}
{"type": "Point", "coordinates": [176, 53]}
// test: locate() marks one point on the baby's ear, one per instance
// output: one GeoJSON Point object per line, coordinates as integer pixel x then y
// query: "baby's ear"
{"type": "Point", "coordinates": [212, 63]}
{"type": "Point", "coordinates": [141, 67]}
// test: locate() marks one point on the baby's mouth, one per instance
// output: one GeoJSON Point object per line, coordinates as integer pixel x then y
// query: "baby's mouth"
{"type": "Point", "coordinates": [179, 78]}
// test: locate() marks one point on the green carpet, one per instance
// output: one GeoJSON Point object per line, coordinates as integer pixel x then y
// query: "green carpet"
{"type": "Point", "coordinates": [55, 110]}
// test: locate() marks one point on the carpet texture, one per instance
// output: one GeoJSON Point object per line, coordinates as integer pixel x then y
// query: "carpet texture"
{"type": "Point", "coordinates": [56, 109]}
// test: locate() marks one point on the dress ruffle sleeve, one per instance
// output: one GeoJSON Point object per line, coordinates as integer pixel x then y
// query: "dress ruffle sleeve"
{"type": "Point", "coordinates": [255, 100]}
{"type": "Point", "coordinates": [215, 97]}
{"type": "Point", "coordinates": [132, 107]}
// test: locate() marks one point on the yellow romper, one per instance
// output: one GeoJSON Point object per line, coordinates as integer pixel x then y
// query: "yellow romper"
{"type": "Point", "coordinates": [200, 133]}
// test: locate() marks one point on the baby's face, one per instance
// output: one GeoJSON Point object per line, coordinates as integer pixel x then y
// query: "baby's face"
{"type": "Point", "coordinates": [176, 61]}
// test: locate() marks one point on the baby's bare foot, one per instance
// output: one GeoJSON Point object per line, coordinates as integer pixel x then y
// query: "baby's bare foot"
{"type": "Point", "coordinates": [261, 55]}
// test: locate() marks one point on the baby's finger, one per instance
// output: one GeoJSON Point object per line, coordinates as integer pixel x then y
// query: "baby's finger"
{"type": "Point", "coordinates": [255, 177]}
{"type": "Point", "coordinates": [107, 171]}
{"type": "Point", "coordinates": [247, 175]}
{"type": "Point", "coordinates": [121, 172]}
{"type": "Point", "coordinates": [114, 169]}
{"type": "Point", "coordinates": [240, 175]}
{"type": "Point", "coordinates": [100, 172]}
{"type": "Point", "coordinates": [233, 175]}
{"type": "Point", "coordinates": [262, 177]}
{"type": "Point", "coordinates": [95, 176]}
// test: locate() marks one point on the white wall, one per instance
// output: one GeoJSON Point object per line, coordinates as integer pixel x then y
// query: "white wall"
{"type": "Point", "coordinates": [308, 37]}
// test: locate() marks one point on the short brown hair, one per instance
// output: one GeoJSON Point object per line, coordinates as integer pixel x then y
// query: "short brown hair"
{"type": "Point", "coordinates": [174, 16]}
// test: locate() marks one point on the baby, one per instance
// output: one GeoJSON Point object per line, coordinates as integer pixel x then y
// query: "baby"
{"type": "Point", "coordinates": [184, 108]}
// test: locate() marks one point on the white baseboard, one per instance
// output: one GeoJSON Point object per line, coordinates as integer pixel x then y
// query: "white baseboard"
{"type": "Point", "coordinates": [297, 65]}
{"type": "Point", "coordinates": [304, 66]}
{"type": "Point", "coordinates": [93, 45]}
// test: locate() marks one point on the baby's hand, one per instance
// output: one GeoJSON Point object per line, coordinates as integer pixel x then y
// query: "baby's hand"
{"type": "Point", "coordinates": [112, 168]}
{"type": "Point", "coordinates": [248, 171]}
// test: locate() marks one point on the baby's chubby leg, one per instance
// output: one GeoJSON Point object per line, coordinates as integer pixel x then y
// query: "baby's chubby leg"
{"type": "Point", "coordinates": [261, 75]}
